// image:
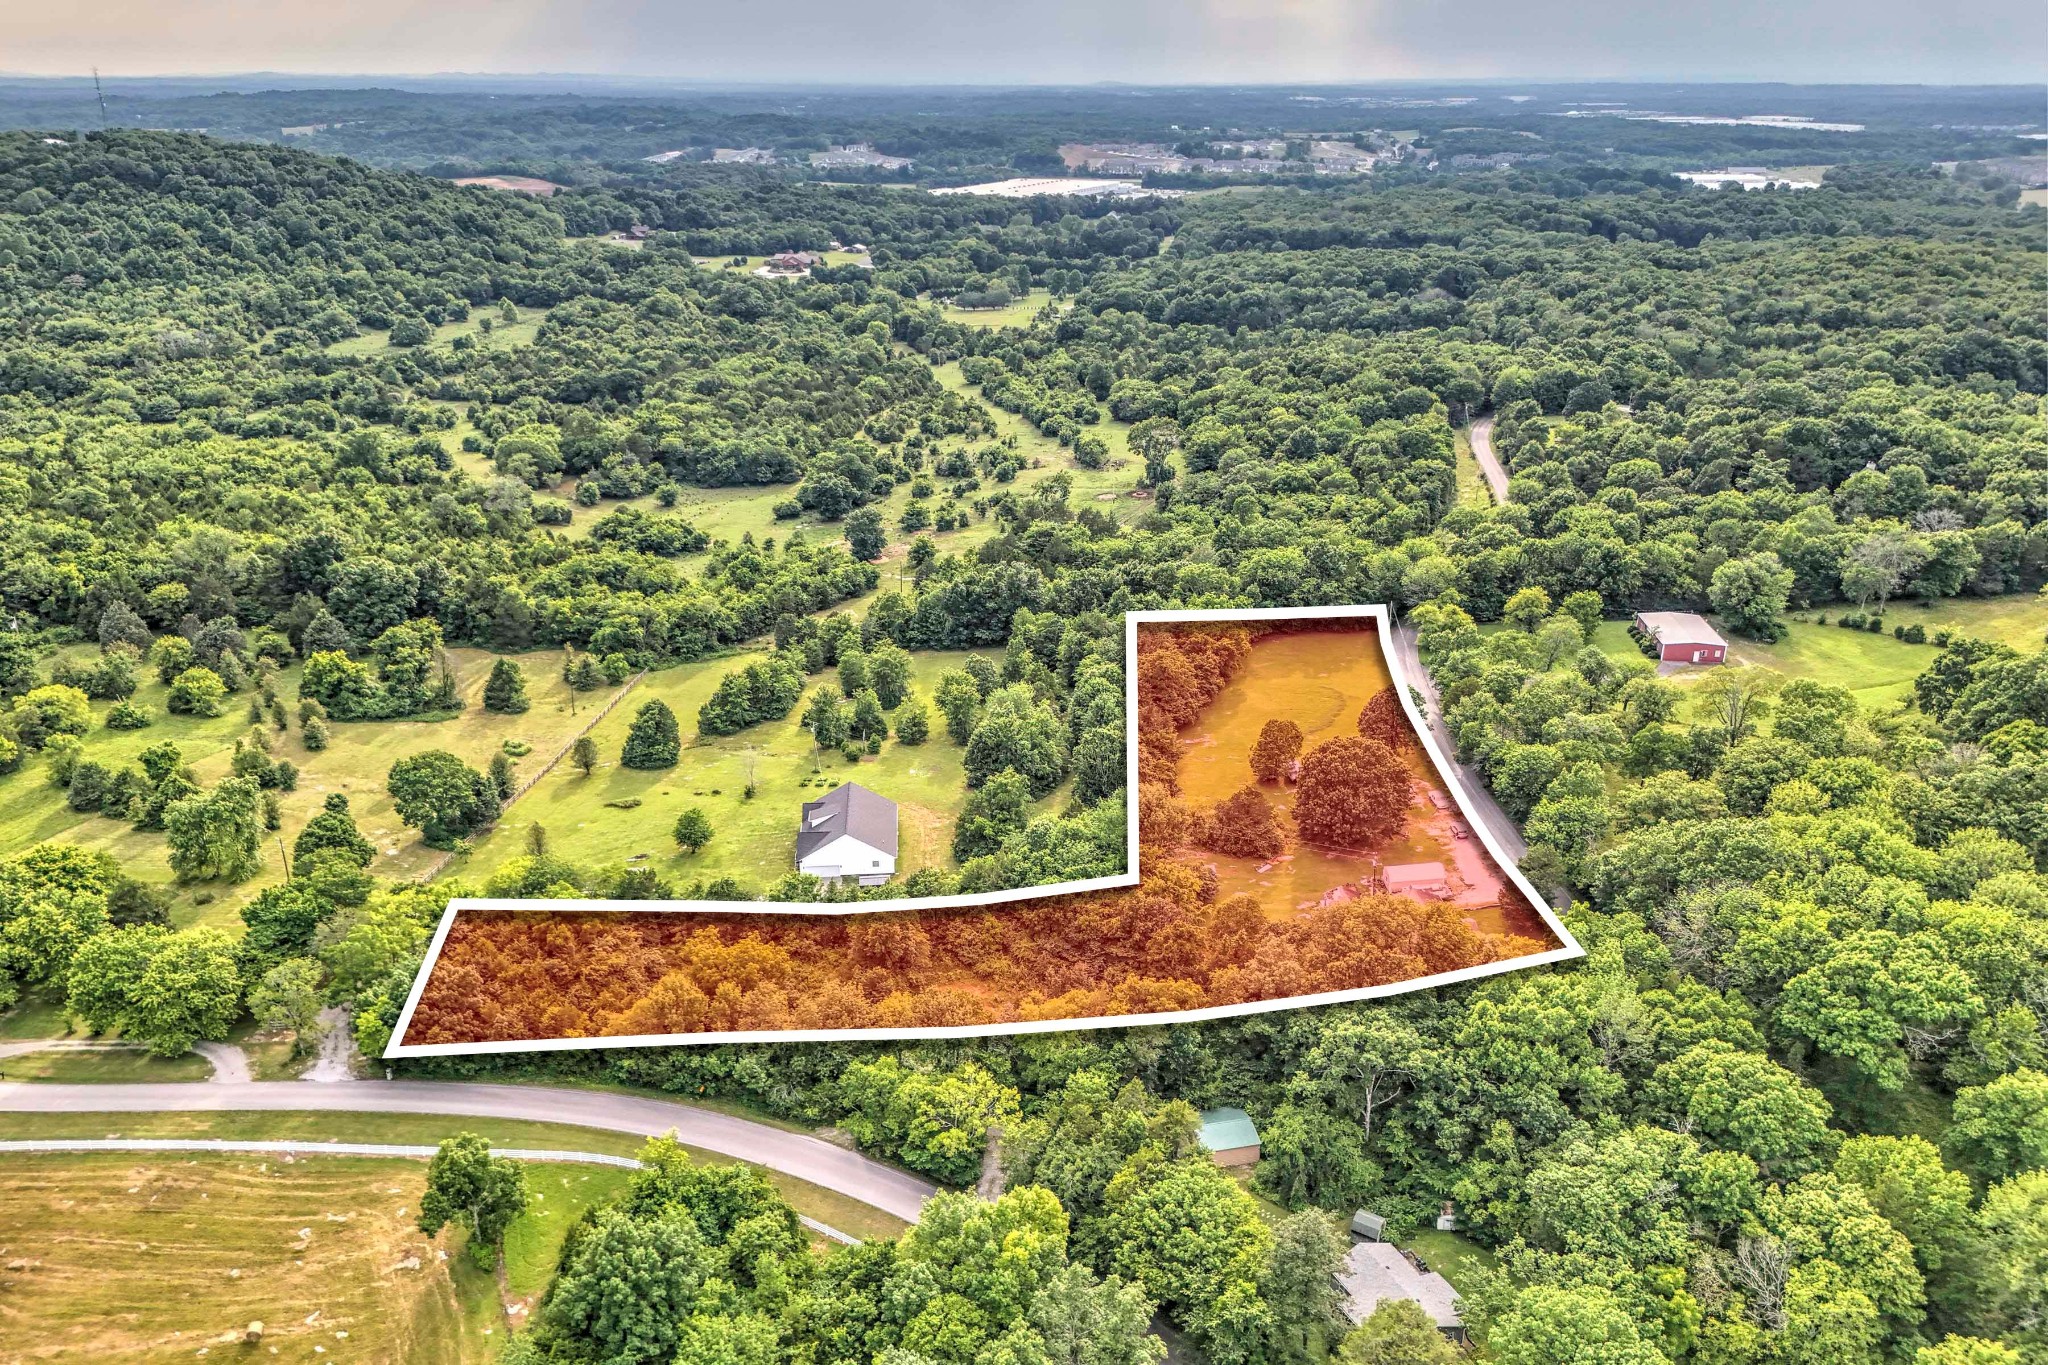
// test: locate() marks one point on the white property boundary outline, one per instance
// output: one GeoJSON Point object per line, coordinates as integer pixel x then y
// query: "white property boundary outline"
{"type": "Point", "coordinates": [1382, 620]}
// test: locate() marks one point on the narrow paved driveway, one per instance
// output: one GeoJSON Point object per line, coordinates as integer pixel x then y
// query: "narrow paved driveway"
{"type": "Point", "coordinates": [798, 1154]}
{"type": "Point", "coordinates": [1481, 434]}
{"type": "Point", "coordinates": [230, 1063]}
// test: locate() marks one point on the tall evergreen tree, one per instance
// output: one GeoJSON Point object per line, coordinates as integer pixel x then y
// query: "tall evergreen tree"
{"type": "Point", "coordinates": [505, 692]}
{"type": "Point", "coordinates": [654, 741]}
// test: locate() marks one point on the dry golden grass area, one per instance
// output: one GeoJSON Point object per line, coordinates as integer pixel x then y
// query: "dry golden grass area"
{"type": "Point", "coordinates": [119, 1257]}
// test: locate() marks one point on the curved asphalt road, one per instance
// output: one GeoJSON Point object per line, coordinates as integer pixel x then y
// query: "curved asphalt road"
{"type": "Point", "coordinates": [807, 1158]}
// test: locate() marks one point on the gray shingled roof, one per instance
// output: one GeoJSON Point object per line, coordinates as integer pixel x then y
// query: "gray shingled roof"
{"type": "Point", "coordinates": [1375, 1272]}
{"type": "Point", "coordinates": [849, 809]}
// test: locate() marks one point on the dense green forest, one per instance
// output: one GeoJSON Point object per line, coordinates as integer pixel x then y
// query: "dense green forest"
{"type": "Point", "coordinates": [282, 432]}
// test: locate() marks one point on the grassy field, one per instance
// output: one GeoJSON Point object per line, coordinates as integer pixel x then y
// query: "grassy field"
{"type": "Point", "coordinates": [747, 263]}
{"type": "Point", "coordinates": [729, 513]}
{"type": "Point", "coordinates": [827, 1206]}
{"type": "Point", "coordinates": [1452, 1255]}
{"type": "Point", "coordinates": [356, 762]}
{"type": "Point", "coordinates": [2019, 619]}
{"type": "Point", "coordinates": [1878, 668]}
{"type": "Point", "coordinates": [35, 1016]}
{"type": "Point", "coordinates": [755, 840]}
{"type": "Point", "coordinates": [103, 1066]}
{"type": "Point", "coordinates": [139, 1257]}
{"type": "Point", "coordinates": [1110, 487]}
{"type": "Point", "coordinates": [1014, 314]}
{"type": "Point", "coordinates": [501, 336]}
{"type": "Point", "coordinates": [360, 756]}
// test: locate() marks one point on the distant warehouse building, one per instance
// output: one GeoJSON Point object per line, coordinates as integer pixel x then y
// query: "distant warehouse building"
{"type": "Point", "coordinates": [1679, 637]}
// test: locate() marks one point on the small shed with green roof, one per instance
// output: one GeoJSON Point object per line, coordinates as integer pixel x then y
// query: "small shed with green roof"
{"type": "Point", "coordinates": [1230, 1136]}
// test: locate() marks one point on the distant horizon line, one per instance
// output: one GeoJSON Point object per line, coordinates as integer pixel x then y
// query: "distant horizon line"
{"type": "Point", "coordinates": [837, 83]}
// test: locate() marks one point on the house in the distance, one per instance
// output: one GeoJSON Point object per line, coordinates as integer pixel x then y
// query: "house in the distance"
{"type": "Point", "coordinates": [848, 832]}
{"type": "Point", "coordinates": [1230, 1136]}
{"type": "Point", "coordinates": [1679, 637]}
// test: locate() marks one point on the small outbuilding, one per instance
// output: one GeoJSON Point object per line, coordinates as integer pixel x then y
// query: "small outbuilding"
{"type": "Point", "coordinates": [1425, 881]}
{"type": "Point", "coordinates": [1679, 637]}
{"type": "Point", "coordinates": [1369, 1226]}
{"type": "Point", "coordinates": [848, 832]}
{"type": "Point", "coordinates": [1230, 1136]}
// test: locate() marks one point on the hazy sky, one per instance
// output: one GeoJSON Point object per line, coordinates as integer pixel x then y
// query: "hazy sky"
{"type": "Point", "coordinates": [1006, 41]}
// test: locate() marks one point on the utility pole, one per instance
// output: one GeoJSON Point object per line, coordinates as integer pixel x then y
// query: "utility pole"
{"type": "Point", "coordinates": [102, 96]}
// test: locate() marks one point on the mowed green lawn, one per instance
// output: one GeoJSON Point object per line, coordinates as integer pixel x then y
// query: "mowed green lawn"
{"type": "Point", "coordinates": [2018, 619]}
{"type": "Point", "coordinates": [1452, 1255]}
{"type": "Point", "coordinates": [754, 841]}
{"type": "Point", "coordinates": [502, 335]}
{"type": "Point", "coordinates": [1014, 314]}
{"type": "Point", "coordinates": [832, 258]}
{"type": "Point", "coordinates": [1878, 667]}
{"type": "Point", "coordinates": [103, 1066]}
{"type": "Point", "coordinates": [356, 762]}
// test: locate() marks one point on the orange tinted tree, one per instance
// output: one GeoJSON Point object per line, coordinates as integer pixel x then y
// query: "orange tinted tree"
{"type": "Point", "coordinates": [1382, 720]}
{"type": "Point", "coordinates": [1279, 745]}
{"type": "Point", "coordinates": [1353, 794]}
{"type": "Point", "coordinates": [1243, 826]}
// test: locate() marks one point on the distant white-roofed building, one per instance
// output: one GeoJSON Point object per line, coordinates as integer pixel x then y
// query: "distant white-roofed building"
{"type": "Point", "coordinates": [1681, 637]}
{"type": "Point", "coordinates": [848, 832]}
